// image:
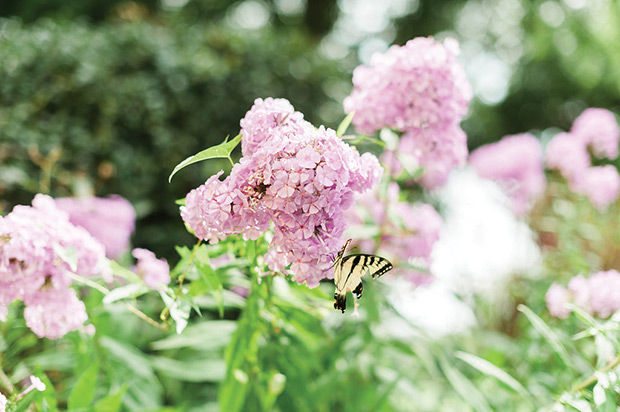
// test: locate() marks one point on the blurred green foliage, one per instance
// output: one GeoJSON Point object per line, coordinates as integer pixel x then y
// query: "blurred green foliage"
{"type": "Point", "coordinates": [113, 108]}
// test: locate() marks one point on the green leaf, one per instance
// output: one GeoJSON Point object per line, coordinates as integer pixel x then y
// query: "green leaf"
{"type": "Point", "coordinates": [223, 149]}
{"type": "Point", "coordinates": [83, 391]}
{"type": "Point", "coordinates": [213, 284]}
{"type": "Point", "coordinates": [464, 387]}
{"type": "Point", "coordinates": [47, 402]}
{"type": "Point", "coordinates": [548, 334]}
{"type": "Point", "coordinates": [206, 335]}
{"type": "Point", "coordinates": [112, 402]}
{"type": "Point", "coordinates": [490, 369]}
{"type": "Point", "coordinates": [344, 125]}
{"type": "Point", "coordinates": [179, 309]}
{"type": "Point", "coordinates": [132, 290]}
{"type": "Point", "coordinates": [192, 370]}
{"type": "Point", "coordinates": [67, 255]}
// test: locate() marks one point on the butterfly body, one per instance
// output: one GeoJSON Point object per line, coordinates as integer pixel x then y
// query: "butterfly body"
{"type": "Point", "coordinates": [348, 272]}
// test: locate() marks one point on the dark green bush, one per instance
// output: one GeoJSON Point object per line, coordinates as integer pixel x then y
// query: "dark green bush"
{"type": "Point", "coordinates": [125, 103]}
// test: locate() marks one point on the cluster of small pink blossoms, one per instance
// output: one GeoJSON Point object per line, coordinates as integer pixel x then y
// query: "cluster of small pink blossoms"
{"type": "Point", "coordinates": [154, 272]}
{"type": "Point", "coordinates": [597, 130]}
{"type": "Point", "coordinates": [599, 294]}
{"type": "Point", "coordinates": [39, 250]}
{"type": "Point", "coordinates": [292, 174]}
{"type": "Point", "coordinates": [110, 220]}
{"type": "Point", "coordinates": [407, 233]}
{"type": "Point", "coordinates": [421, 90]}
{"type": "Point", "coordinates": [516, 164]}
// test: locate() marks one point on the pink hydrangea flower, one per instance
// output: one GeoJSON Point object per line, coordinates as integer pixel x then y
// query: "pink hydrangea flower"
{"type": "Point", "coordinates": [557, 297]}
{"type": "Point", "coordinates": [110, 220]}
{"type": "Point", "coordinates": [516, 164]}
{"type": "Point", "coordinates": [437, 151]}
{"type": "Point", "coordinates": [568, 155]}
{"type": "Point", "coordinates": [605, 293]}
{"type": "Point", "coordinates": [418, 85]}
{"type": "Point", "coordinates": [598, 129]}
{"type": "Point", "coordinates": [599, 294]}
{"type": "Point", "coordinates": [293, 175]}
{"type": "Point", "coordinates": [2, 403]}
{"type": "Point", "coordinates": [52, 313]}
{"type": "Point", "coordinates": [601, 184]}
{"type": "Point", "coordinates": [39, 248]}
{"type": "Point", "coordinates": [154, 272]}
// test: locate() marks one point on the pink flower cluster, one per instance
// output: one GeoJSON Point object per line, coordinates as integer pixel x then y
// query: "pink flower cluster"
{"type": "Point", "coordinates": [109, 220]}
{"type": "Point", "coordinates": [421, 90]}
{"type": "Point", "coordinates": [406, 232]}
{"type": "Point", "coordinates": [599, 295]}
{"type": "Point", "coordinates": [292, 174]}
{"type": "Point", "coordinates": [39, 249]}
{"type": "Point", "coordinates": [154, 272]}
{"type": "Point", "coordinates": [597, 130]}
{"type": "Point", "coordinates": [516, 164]}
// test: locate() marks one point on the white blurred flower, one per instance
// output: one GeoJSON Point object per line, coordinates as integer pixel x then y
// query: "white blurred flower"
{"type": "Point", "coordinates": [432, 308]}
{"type": "Point", "coordinates": [482, 244]}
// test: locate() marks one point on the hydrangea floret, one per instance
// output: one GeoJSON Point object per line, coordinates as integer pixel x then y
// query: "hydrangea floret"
{"type": "Point", "coordinates": [292, 177]}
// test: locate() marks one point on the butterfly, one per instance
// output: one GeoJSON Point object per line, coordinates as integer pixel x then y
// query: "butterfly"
{"type": "Point", "coordinates": [348, 272]}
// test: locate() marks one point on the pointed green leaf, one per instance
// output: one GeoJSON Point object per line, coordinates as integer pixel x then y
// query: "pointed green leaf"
{"type": "Point", "coordinates": [132, 290]}
{"type": "Point", "coordinates": [83, 391]}
{"type": "Point", "coordinates": [465, 388]}
{"type": "Point", "coordinates": [490, 369]}
{"type": "Point", "coordinates": [112, 402]}
{"type": "Point", "coordinates": [548, 334]}
{"type": "Point", "coordinates": [223, 149]}
{"type": "Point", "coordinates": [344, 125]}
{"type": "Point", "coordinates": [67, 255]}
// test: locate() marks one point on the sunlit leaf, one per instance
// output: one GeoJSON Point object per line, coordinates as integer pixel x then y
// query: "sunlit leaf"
{"type": "Point", "coordinates": [489, 369]}
{"type": "Point", "coordinates": [464, 387]}
{"type": "Point", "coordinates": [344, 125]}
{"type": "Point", "coordinates": [222, 150]}
{"type": "Point", "coordinates": [548, 334]}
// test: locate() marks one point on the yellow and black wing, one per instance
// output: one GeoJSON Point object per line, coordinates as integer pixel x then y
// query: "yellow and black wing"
{"type": "Point", "coordinates": [348, 272]}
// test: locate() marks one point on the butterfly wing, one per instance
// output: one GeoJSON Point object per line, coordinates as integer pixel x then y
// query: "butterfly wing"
{"type": "Point", "coordinates": [348, 274]}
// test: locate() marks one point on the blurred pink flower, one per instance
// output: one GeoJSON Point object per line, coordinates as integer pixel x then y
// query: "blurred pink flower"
{"type": "Point", "coordinates": [598, 129]}
{"type": "Point", "coordinates": [2, 403]}
{"type": "Point", "coordinates": [601, 184]}
{"type": "Point", "coordinates": [407, 232]}
{"type": "Point", "coordinates": [39, 248]}
{"type": "Point", "coordinates": [418, 85]}
{"type": "Point", "coordinates": [437, 151]}
{"type": "Point", "coordinates": [605, 293]}
{"type": "Point", "coordinates": [154, 272]}
{"type": "Point", "coordinates": [110, 220]}
{"type": "Point", "coordinates": [51, 313]}
{"type": "Point", "coordinates": [292, 174]}
{"type": "Point", "coordinates": [599, 294]}
{"type": "Point", "coordinates": [516, 164]}
{"type": "Point", "coordinates": [568, 155]}
{"type": "Point", "coordinates": [557, 297]}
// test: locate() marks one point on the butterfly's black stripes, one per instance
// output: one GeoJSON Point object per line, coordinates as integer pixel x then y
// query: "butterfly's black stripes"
{"type": "Point", "coordinates": [348, 271]}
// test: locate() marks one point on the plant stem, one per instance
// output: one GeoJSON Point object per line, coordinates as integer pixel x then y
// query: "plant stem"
{"type": "Point", "coordinates": [6, 382]}
{"type": "Point", "coordinates": [581, 386]}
